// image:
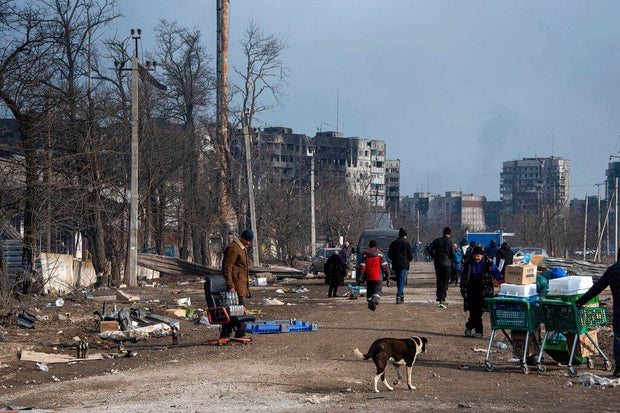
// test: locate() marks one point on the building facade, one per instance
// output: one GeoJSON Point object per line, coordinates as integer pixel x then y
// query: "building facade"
{"type": "Point", "coordinates": [361, 162]}
{"type": "Point", "coordinates": [531, 183]}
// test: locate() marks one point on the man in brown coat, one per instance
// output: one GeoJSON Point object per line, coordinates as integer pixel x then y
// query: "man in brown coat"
{"type": "Point", "coordinates": [236, 272]}
{"type": "Point", "coordinates": [235, 266]}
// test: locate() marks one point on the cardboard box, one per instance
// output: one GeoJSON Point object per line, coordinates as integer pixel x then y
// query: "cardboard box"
{"type": "Point", "coordinates": [520, 274]}
{"type": "Point", "coordinates": [536, 259]}
{"type": "Point", "coordinates": [585, 348]}
{"type": "Point", "coordinates": [108, 326]}
{"type": "Point", "coordinates": [518, 343]}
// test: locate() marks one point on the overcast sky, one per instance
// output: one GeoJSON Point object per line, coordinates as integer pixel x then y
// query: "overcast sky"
{"type": "Point", "coordinates": [454, 87]}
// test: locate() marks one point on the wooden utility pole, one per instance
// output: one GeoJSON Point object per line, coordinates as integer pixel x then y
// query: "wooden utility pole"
{"type": "Point", "coordinates": [222, 103]}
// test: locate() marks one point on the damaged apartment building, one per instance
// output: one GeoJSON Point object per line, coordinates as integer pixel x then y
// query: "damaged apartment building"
{"type": "Point", "coordinates": [360, 162]}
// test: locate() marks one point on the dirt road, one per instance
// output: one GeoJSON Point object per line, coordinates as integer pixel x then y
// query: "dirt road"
{"type": "Point", "coordinates": [301, 371]}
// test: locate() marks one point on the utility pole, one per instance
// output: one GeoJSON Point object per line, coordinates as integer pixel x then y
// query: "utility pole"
{"type": "Point", "coordinates": [585, 228]}
{"type": "Point", "coordinates": [131, 275]}
{"type": "Point", "coordinates": [248, 167]}
{"type": "Point", "coordinates": [598, 223]}
{"type": "Point", "coordinates": [310, 153]}
{"type": "Point", "coordinates": [222, 102]}
{"type": "Point", "coordinates": [133, 213]}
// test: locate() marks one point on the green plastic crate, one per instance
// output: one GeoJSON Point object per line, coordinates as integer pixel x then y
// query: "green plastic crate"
{"type": "Point", "coordinates": [573, 298]}
{"type": "Point", "coordinates": [511, 314]}
{"type": "Point", "coordinates": [592, 316]}
{"type": "Point", "coordinates": [565, 317]}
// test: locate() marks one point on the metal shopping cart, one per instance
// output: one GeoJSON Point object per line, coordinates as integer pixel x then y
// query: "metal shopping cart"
{"type": "Point", "coordinates": [565, 317]}
{"type": "Point", "coordinates": [513, 314]}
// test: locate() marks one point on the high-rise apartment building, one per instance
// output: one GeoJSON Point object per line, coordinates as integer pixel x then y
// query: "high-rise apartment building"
{"type": "Point", "coordinates": [463, 212]}
{"type": "Point", "coordinates": [531, 183]}
{"type": "Point", "coordinates": [392, 185]}
{"type": "Point", "coordinates": [361, 162]}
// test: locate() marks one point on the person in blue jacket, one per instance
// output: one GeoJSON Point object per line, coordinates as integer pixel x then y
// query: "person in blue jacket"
{"type": "Point", "coordinates": [477, 277]}
{"type": "Point", "coordinates": [457, 265]}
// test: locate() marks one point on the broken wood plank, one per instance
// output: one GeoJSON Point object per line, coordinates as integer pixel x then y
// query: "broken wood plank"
{"type": "Point", "coordinates": [31, 355]}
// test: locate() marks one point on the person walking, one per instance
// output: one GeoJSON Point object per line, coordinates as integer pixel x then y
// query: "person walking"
{"type": "Point", "coordinates": [372, 266]}
{"type": "Point", "coordinates": [236, 272]}
{"type": "Point", "coordinates": [491, 250]}
{"type": "Point", "coordinates": [401, 254]}
{"type": "Point", "coordinates": [416, 251]}
{"type": "Point", "coordinates": [503, 257]}
{"type": "Point", "coordinates": [476, 285]}
{"type": "Point", "coordinates": [442, 252]}
{"type": "Point", "coordinates": [345, 252]}
{"type": "Point", "coordinates": [335, 270]}
{"type": "Point", "coordinates": [611, 279]}
{"type": "Point", "coordinates": [457, 265]}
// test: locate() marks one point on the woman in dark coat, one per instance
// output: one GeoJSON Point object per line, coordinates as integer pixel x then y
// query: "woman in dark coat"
{"type": "Point", "coordinates": [335, 271]}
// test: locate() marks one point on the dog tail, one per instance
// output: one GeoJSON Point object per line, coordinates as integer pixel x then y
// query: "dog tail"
{"type": "Point", "coordinates": [359, 354]}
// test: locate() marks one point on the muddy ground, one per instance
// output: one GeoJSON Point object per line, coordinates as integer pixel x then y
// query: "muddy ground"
{"type": "Point", "coordinates": [299, 371]}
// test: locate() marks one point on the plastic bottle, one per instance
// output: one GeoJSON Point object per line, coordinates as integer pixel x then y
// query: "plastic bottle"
{"type": "Point", "coordinates": [526, 258]}
{"type": "Point", "coordinates": [501, 344]}
{"type": "Point", "coordinates": [175, 336]}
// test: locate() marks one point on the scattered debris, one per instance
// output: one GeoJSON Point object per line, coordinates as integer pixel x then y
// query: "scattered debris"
{"type": "Point", "coordinates": [280, 326]}
{"type": "Point", "coordinates": [124, 297]}
{"type": "Point", "coordinates": [25, 319]}
{"type": "Point", "coordinates": [47, 358]}
{"type": "Point", "coordinates": [272, 301]}
{"type": "Point", "coordinates": [187, 301]}
{"type": "Point", "coordinates": [137, 334]}
{"type": "Point", "coordinates": [587, 379]}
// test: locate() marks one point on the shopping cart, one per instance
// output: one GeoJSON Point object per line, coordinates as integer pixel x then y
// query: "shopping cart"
{"type": "Point", "coordinates": [565, 317]}
{"type": "Point", "coordinates": [513, 314]}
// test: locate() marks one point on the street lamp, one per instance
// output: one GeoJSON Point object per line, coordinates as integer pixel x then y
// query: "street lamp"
{"type": "Point", "coordinates": [310, 153]}
{"type": "Point", "coordinates": [132, 275]}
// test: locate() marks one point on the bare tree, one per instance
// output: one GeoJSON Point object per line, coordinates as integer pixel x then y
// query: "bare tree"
{"type": "Point", "coordinates": [190, 85]}
{"type": "Point", "coordinates": [260, 86]}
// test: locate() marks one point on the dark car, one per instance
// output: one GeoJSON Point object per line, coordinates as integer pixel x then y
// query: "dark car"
{"type": "Point", "coordinates": [318, 261]}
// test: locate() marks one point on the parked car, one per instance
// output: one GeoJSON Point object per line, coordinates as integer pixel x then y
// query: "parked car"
{"type": "Point", "coordinates": [529, 250]}
{"type": "Point", "coordinates": [318, 261]}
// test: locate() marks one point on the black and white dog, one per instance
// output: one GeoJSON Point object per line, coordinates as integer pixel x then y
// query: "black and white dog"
{"type": "Point", "coordinates": [398, 351]}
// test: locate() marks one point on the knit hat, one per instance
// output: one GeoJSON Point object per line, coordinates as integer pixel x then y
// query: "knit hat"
{"type": "Point", "coordinates": [402, 232]}
{"type": "Point", "coordinates": [247, 235]}
{"type": "Point", "coordinates": [478, 251]}
{"type": "Point", "coordinates": [447, 231]}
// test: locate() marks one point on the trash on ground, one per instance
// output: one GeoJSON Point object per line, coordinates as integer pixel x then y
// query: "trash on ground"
{"type": "Point", "coordinates": [25, 319]}
{"type": "Point", "coordinates": [47, 358]}
{"type": "Point", "coordinates": [137, 334]}
{"type": "Point", "coordinates": [124, 297]}
{"type": "Point", "coordinates": [272, 301]}
{"type": "Point", "coordinates": [588, 379]}
{"type": "Point", "coordinates": [187, 301]}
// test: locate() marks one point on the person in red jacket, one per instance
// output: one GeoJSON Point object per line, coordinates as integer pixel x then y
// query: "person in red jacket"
{"type": "Point", "coordinates": [372, 266]}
